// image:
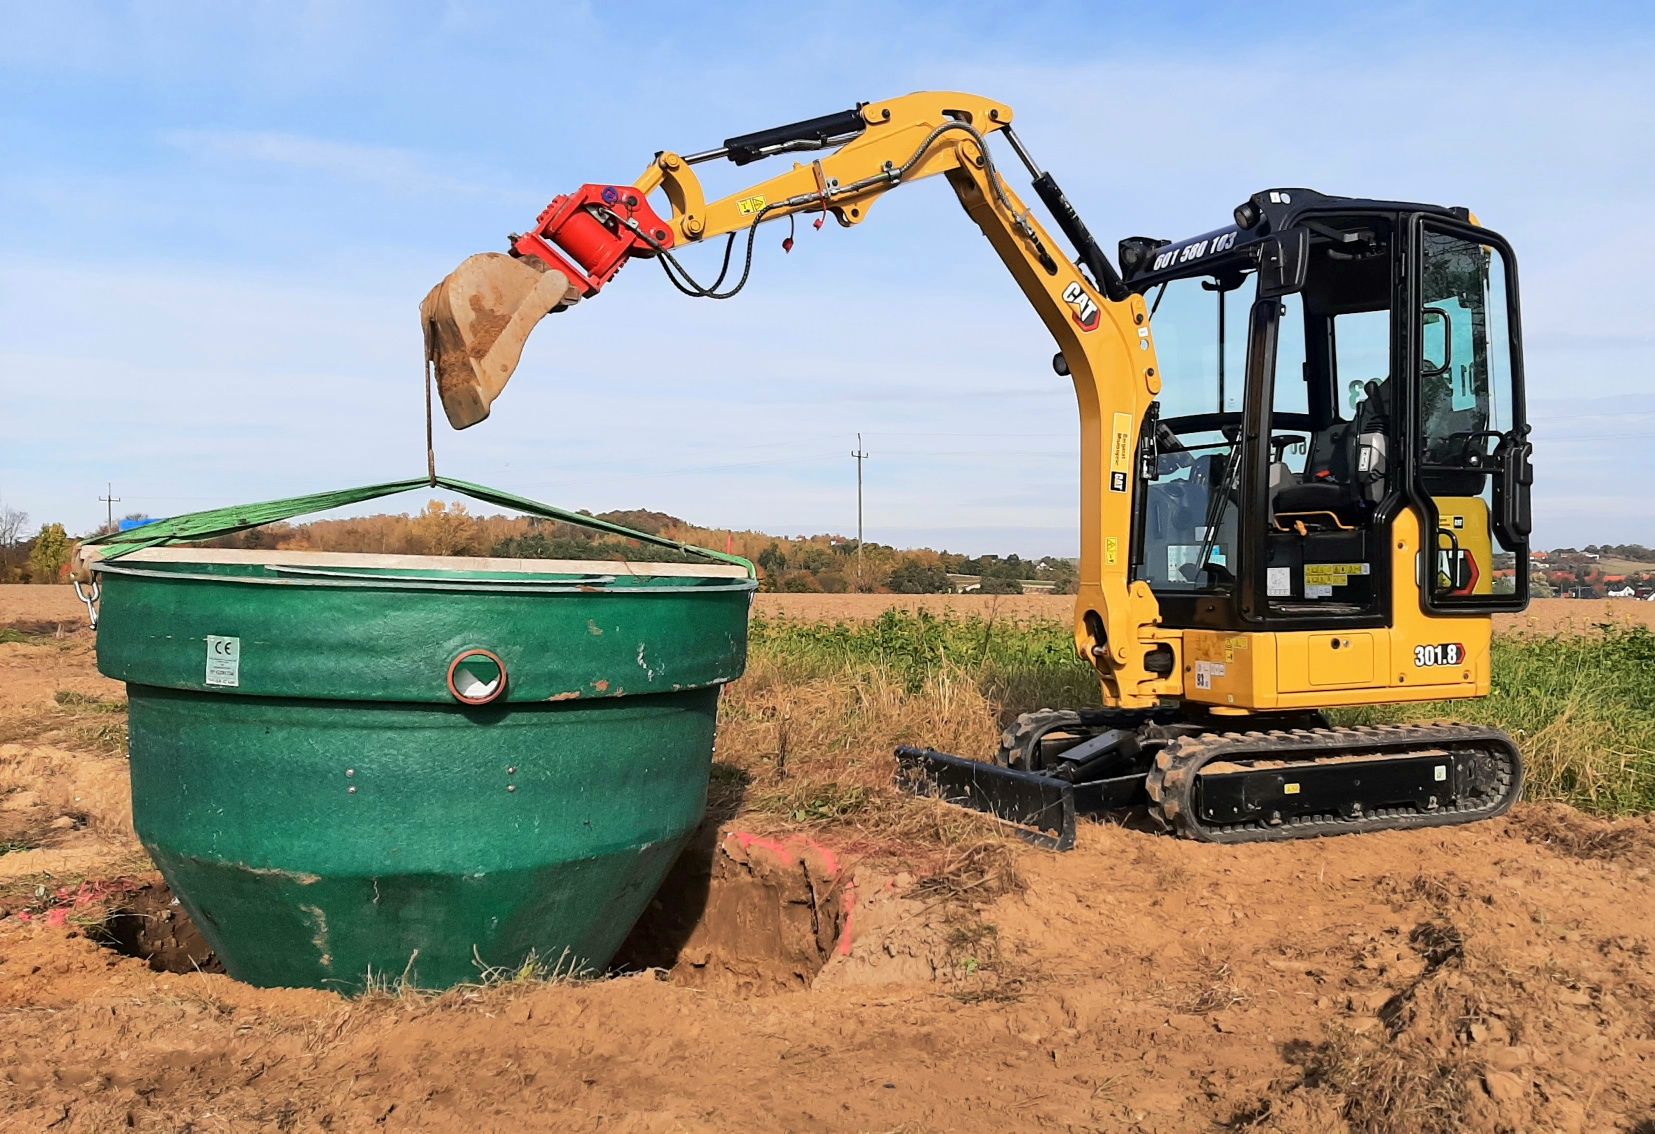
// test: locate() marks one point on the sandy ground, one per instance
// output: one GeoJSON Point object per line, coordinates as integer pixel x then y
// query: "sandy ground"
{"type": "Point", "coordinates": [1490, 978]}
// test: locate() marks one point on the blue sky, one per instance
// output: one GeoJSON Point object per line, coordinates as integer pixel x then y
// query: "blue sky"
{"type": "Point", "coordinates": [219, 221]}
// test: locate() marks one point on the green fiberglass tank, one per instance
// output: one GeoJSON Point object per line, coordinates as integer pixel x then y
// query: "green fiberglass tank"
{"type": "Point", "coordinates": [359, 768]}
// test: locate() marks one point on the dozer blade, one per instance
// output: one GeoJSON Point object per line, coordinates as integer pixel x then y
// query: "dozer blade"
{"type": "Point", "coordinates": [476, 321]}
{"type": "Point", "coordinates": [1039, 808]}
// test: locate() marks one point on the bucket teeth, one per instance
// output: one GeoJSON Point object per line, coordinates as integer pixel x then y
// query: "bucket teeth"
{"type": "Point", "coordinates": [476, 322]}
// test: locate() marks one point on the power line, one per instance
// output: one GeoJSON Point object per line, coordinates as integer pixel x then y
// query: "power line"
{"type": "Point", "coordinates": [110, 500]}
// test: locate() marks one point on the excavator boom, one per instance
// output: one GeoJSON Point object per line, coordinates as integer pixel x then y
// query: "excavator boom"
{"type": "Point", "coordinates": [478, 318]}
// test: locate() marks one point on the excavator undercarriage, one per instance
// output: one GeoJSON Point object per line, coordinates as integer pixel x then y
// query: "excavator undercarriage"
{"type": "Point", "coordinates": [1291, 779]}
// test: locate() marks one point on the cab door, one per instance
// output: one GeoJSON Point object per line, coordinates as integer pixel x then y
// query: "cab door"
{"type": "Point", "coordinates": [1470, 453]}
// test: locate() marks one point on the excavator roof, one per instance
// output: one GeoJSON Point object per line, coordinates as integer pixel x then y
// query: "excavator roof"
{"type": "Point", "coordinates": [1147, 261]}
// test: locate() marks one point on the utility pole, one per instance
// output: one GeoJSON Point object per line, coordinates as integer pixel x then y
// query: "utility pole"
{"type": "Point", "coordinates": [110, 500]}
{"type": "Point", "coordinates": [860, 457]}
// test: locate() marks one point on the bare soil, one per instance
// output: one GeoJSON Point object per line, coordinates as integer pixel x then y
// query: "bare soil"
{"type": "Point", "coordinates": [51, 608]}
{"type": "Point", "coordinates": [1544, 616]}
{"type": "Point", "coordinates": [1488, 978]}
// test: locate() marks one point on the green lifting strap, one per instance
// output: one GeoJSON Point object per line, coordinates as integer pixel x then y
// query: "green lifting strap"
{"type": "Point", "coordinates": [197, 526]}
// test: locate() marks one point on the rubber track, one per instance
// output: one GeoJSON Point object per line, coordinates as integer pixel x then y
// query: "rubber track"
{"type": "Point", "coordinates": [1173, 779]}
{"type": "Point", "coordinates": [1015, 740]}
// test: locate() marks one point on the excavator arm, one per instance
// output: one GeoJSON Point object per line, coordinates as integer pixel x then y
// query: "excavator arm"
{"type": "Point", "coordinates": [478, 318]}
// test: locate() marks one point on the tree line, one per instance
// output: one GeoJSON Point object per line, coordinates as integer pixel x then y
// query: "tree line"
{"type": "Point", "coordinates": [819, 563]}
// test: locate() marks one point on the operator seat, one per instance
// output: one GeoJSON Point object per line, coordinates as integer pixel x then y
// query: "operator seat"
{"type": "Point", "coordinates": [1344, 472]}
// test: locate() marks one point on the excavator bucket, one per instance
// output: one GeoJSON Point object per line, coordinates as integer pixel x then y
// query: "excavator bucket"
{"type": "Point", "coordinates": [476, 321]}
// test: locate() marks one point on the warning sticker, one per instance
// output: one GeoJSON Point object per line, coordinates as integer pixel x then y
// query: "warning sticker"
{"type": "Point", "coordinates": [1331, 574]}
{"type": "Point", "coordinates": [223, 661]}
{"type": "Point", "coordinates": [1205, 671]}
{"type": "Point", "coordinates": [1120, 445]}
{"type": "Point", "coordinates": [747, 206]}
{"type": "Point", "coordinates": [1279, 581]}
{"type": "Point", "coordinates": [1179, 556]}
{"type": "Point", "coordinates": [1111, 549]}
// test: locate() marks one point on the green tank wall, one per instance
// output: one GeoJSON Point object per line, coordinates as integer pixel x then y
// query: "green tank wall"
{"type": "Point", "coordinates": [336, 817]}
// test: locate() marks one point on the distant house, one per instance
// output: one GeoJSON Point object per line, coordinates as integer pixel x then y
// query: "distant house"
{"type": "Point", "coordinates": [1621, 592]}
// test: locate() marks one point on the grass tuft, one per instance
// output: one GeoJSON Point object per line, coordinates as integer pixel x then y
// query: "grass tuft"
{"type": "Point", "coordinates": [76, 701]}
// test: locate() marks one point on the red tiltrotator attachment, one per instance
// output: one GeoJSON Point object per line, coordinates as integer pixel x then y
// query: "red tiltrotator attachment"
{"type": "Point", "coordinates": [585, 236]}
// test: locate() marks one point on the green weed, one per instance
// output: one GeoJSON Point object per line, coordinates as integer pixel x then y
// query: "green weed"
{"type": "Point", "coordinates": [1024, 665]}
{"type": "Point", "coordinates": [1582, 707]}
{"type": "Point", "coordinates": [86, 703]}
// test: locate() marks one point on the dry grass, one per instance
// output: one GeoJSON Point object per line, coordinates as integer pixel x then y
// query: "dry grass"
{"type": "Point", "coordinates": [1210, 988]}
{"type": "Point", "coordinates": [46, 782]}
{"type": "Point", "coordinates": [1419, 1072]}
{"type": "Point", "coordinates": [78, 720]}
{"type": "Point", "coordinates": [1425, 1089]}
{"type": "Point", "coordinates": [819, 750]}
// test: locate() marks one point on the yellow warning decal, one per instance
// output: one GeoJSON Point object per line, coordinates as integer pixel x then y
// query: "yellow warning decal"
{"type": "Point", "coordinates": [1111, 550]}
{"type": "Point", "coordinates": [1332, 574]}
{"type": "Point", "coordinates": [1120, 448]}
{"type": "Point", "coordinates": [750, 205]}
{"type": "Point", "coordinates": [1290, 789]}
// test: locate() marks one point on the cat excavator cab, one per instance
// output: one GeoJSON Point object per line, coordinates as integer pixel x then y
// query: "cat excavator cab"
{"type": "Point", "coordinates": [1305, 466]}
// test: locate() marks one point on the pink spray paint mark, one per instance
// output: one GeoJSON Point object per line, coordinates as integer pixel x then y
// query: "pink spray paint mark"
{"type": "Point", "coordinates": [801, 847]}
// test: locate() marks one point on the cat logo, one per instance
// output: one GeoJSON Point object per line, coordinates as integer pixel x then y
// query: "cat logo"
{"type": "Point", "coordinates": [1085, 311]}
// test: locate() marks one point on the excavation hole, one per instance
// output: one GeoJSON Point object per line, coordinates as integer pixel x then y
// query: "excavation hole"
{"type": "Point", "coordinates": [742, 914]}
{"type": "Point", "coordinates": [736, 914]}
{"type": "Point", "coordinates": [152, 926]}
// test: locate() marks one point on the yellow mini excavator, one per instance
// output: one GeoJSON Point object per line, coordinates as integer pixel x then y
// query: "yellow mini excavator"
{"type": "Point", "coordinates": [1305, 466]}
